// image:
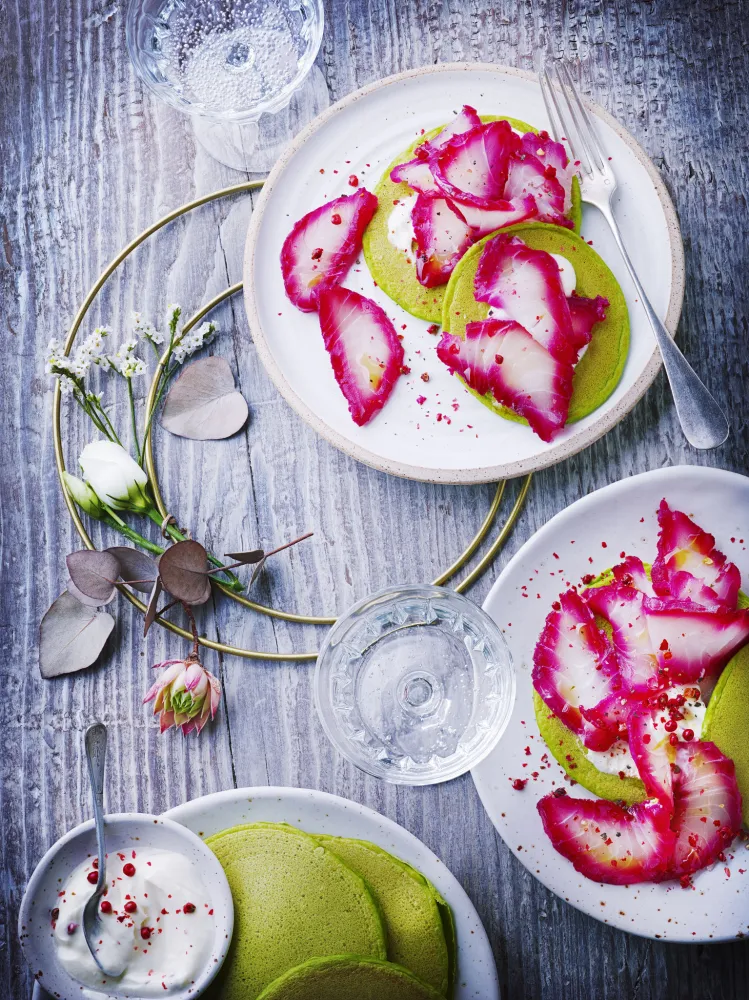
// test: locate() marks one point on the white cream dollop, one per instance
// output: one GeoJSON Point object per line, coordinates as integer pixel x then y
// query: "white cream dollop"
{"type": "Point", "coordinates": [162, 945]}
{"type": "Point", "coordinates": [400, 227]}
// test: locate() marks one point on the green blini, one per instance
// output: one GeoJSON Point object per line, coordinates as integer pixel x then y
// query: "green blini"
{"type": "Point", "coordinates": [293, 900]}
{"type": "Point", "coordinates": [408, 904]}
{"type": "Point", "coordinates": [349, 977]}
{"type": "Point", "coordinates": [600, 368]}
{"type": "Point", "coordinates": [395, 272]}
{"type": "Point", "coordinates": [725, 719]}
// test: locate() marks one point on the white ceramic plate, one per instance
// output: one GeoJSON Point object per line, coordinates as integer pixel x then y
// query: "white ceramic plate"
{"type": "Point", "coordinates": [122, 830]}
{"type": "Point", "coordinates": [360, 135]}
{"type": "Point", "coordinates": [623, 516]}
{"type": "Point", "coordinates": [319, 812]}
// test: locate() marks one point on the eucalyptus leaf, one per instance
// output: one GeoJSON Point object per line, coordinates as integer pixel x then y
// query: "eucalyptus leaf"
{"type": "Point", "coordinates": [255, 555]}
{"type": "Point", "coordinates": [90, 602]}
{"type": "Point", "coordinates": [183, 570]}
{"type": "Point", "coordinates": [203, 404]}
{"type": "Point", "coordinates": [256, 572]}
{"type": "Point", "coordinates": [94, 573]}
{"type": "Point", "coordinates": [71, 636]}
{"type": "Point", "coordinates": [152, 605]}
{"type": "Point", "coordinates": [135, 566]}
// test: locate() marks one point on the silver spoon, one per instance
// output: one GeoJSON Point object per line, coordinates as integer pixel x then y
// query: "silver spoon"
{"type": "Point", "coordinates": [96, 752]}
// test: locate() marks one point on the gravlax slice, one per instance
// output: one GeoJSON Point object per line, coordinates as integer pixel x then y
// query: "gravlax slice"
{"type": "Point", "coordinates": [690, 642]}
{"type": "Point", "coordinates": [442, 237]}
{"type": "Point", "coordinates": [364, 349]}
{"type": "Point", "coordinates": [417, 173]}
{"type": "Point", "coordinates": [653, 754]}
{"type": "Point", "coordinates": [500, 355]}
{"type": "Point", "coordinates": [466, 119]}
{"type": "Point", "coordinates": [527, 286]}
{"type": "Point", "coordinates": [607, 843]}
{"type": "Point", "coordinates": [622, 607]}
{"type": "Point", "coordinates": [573, 667]}
{"type": "Point", "coordinates": [472, 167]}
{"type": "Point", "coordinates": [483, 221]}
{"type": "Point", "coordinates": [527, 175]}
{"type": "Point", "coordinates": [323, 245]}
{"type": "Point", "coordinates": [584, 314]}
{"type": "Point", "coordinates": [707, 813]}
{"type": "Point", "coordinates": [632, 573]}
{"type": "Point", "coordinates": [553, 157]}
{"type": "Point", "coordinates": [689, 566]}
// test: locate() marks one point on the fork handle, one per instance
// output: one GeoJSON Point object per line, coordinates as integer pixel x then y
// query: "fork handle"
{"type": "Point", "coordinates": [702, 420]}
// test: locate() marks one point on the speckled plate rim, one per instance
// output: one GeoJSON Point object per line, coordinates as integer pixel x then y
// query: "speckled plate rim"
{"type": "Point", "coordinates": [565, 450]}
{"type": "Point", "coordinates": [322, 812]}
{"type": "Point", "coordinates": [502, 764]}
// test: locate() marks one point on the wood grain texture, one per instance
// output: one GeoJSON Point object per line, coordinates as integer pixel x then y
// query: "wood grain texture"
{"type": "Point", "coordinates": [88, 159]}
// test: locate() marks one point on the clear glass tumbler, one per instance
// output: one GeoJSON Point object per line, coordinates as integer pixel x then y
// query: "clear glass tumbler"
{"type": "Point", "coordinates": [415, 685]}
{"type": "Point", "coordinates": [242, 68]}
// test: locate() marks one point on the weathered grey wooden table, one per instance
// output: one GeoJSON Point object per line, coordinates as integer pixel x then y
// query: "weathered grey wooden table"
{"type": "Point", "coordinates": [88, 159]}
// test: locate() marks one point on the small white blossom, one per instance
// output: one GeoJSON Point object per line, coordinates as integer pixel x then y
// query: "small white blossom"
{"type": "Point", "coordinates": [193, 341]}
{"type": "Point", "coordinates": [143, 328]}
{"type": "Point", "coordinates": [173, 313]}
{"type": "Point", "coordinates": [126, 362]}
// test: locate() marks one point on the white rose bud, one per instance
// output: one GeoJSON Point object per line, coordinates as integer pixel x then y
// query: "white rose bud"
{"type": "Point", "coordinates": [115, 477]}
{"type": "Point", "coordinates": [84, 496]}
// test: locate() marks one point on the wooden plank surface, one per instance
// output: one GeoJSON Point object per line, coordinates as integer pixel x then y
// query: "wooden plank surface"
{"type": "Point", "coordinates": [87, 159]}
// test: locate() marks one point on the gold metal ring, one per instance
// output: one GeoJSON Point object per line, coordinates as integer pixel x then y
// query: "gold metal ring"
{"type": "Point", "coordinates": [289, 616]}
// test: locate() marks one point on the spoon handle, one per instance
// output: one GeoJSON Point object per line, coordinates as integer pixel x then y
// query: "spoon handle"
{"type": "Point", "coordinates": [96, 752]}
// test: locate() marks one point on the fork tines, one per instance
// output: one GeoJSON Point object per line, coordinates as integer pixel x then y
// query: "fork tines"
{"type": "Point", "coordinates": [569, 117]}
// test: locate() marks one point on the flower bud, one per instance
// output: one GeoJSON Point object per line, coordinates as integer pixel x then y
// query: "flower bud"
{"type": "Point", "coordinates": [185, 695]}
{"type": "Point", "coordinates": [84, 496]}
{"type": "Point", "coordinates": [115, 477]}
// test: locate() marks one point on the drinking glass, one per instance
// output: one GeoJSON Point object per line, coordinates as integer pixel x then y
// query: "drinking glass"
{"type": "Point", "coordinates": [415, 685]}
{"type": "Point", "coordinates": [243, 69]}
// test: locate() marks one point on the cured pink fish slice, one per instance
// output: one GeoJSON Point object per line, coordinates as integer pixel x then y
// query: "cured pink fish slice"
{"type": "Point", "coordinates": [499, 355]}
{"type": "Point", "coordinates": [417, 173]}
{"type": "Point", "coordinates": [690, 642]}
{"type": "Point", "coordinates": [632, 573]}
{"type": "Point", "coordinates": [483, 221]}
{"type": "Point", "coordinates": [322, 246]}
{"type": "Point", "coordinates": [689, 566]}
{"type": "Point", "coordinates": [707, 812]}
{"type": "Point", "coordinates": [442, 237]}
{"type": "Point", "coordinates": [622, 607]}
{"type": "Point", "coordinates": [653, 754]}
{"type": "Point", "coordinates": [527, 175]}
{"type": "Point", "coordinates": [607, 843]}
{"type": "Point", "coordinates": [584, 314]}
{"type": "Point", "coordinates": [553, 157]}
{"type": "Point", "coordinates": [527, 286]}
{"type": "Point", "coordinates": [472, 167]}
{"type": "Point", "coordinates": [574, 666]}
{"type": "Point", "coordinates": [364, 349]}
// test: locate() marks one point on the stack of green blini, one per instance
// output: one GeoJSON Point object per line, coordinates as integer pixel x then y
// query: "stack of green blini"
{"type": "Point", "coordinates": [329, 917]}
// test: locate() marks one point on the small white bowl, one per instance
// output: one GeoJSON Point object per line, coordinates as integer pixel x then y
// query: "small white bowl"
{"type": "Point", "coordinates": [122, 830]}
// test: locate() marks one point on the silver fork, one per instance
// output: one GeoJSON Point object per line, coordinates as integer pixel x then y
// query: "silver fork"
{"type": "Point", "coordinates": [701, 419]}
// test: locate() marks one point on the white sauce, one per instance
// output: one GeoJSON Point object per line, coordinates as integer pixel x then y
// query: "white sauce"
{"type": "Point", "coordinates": [162, 947]}
{"type": "Point", "coordinates": [618, 758]}
{"type": "Point", "coordinates": [400, 227]}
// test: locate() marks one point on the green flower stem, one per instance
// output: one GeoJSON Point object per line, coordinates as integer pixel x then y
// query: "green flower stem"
{"type": "Point", "coordinates": [133, 535]}
{"type": "Point", "coordinates": [133, 419]}
{"type": "Point", "coordinates": [176, 535]}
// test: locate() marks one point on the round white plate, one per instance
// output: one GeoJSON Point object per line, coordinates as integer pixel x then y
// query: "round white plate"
{"type": "Point", "coordinates": [319, 812]}
{"type": "Point", "coordinates": [623, 517]}
{"type": "Point", "coordinates": [361, 135]}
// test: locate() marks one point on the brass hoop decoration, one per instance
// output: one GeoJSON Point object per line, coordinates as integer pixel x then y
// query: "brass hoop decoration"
{"type": "Point", "coordinates": [288, 616]}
